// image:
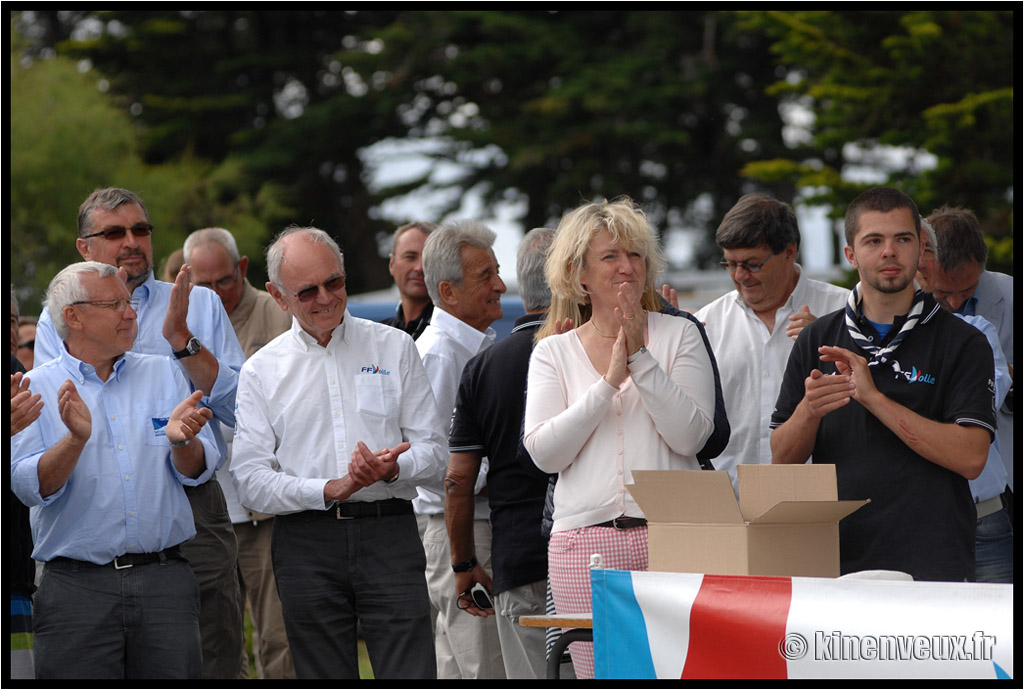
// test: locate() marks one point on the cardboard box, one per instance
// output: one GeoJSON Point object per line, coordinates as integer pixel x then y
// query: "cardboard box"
{"type": "Point", "coordinates": [785, 524]}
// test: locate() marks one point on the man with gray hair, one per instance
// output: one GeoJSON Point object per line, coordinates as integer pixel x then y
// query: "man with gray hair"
{"type": "Point", "coordinates": [336, 429]}
{"type": "Point", "coordinates": [213, 256]}
{"type": "Point", "coordinates": [189, 323]}
{"type": "Point", "coordinates": [464, 284]}
{"type": "Point", "coordinates": [752, 328]}
{"type": "Point", "coordinates": [103, 470]}
{"type": "Point", "coordinates": [488, 423]}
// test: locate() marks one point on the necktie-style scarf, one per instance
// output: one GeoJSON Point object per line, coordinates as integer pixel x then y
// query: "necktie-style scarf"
{"type": "Point", "coordinates": [877, 353]}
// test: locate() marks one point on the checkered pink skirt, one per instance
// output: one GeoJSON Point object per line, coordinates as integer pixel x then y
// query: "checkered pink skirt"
{"type": "Point", "coordinates": [569, 555]}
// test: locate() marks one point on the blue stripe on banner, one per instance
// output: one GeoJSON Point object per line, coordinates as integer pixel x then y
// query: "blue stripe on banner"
{"type": "Point", "coordinates": [621, 648]}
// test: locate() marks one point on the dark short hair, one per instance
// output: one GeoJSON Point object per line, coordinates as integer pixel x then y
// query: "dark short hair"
{"type": "Point", "coordinates": [883, 200]}
{"type": "Point", "coordinates": [107, 199]}
{"type": "Point", "coordinates": [758, 219]}
{"type": "Point", "coordinates": [958, 237]}
{"type": "Point", "coordinates": [423, 226]}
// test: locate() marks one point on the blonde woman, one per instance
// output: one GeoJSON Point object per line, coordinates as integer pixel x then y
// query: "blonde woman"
{"type": "Point", "coordinates": [614, 386]}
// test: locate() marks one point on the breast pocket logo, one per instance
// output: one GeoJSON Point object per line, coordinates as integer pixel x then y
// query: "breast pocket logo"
{"type": "Point", "coordinates": [913, 376]}
{"type": "Point", "coordinates": [374, 369]}
{"type": "Point", "coordinates": [160, 426]}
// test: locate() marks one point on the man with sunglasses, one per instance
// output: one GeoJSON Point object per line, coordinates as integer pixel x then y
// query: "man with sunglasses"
{"type": "Point", "coordinates": [103, 470]}
{"type": "Point", "coordinates": [337, 427]}
{"type": "Point", "coordinates": [752, 328]}
{"type": "Point", "coordinates": [190, 324]}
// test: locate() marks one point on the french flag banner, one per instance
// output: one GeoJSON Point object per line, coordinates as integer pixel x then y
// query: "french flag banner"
{"type": "Point", "coordinates": [681, 625]}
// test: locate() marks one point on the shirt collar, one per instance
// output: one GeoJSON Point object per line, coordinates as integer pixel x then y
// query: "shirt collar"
{"type": "Point", "coordinates": [306, 341]}
{"type": "Point", "coordinates": [461, 332]}
{"type": "Point", "coordinates": [80, 370]}
{"type": "Point", "coordinates": [529, 321]}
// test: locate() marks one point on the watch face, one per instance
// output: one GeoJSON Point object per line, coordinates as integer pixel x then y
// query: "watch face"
{"type": "Point", "coordinates": [193, 346]}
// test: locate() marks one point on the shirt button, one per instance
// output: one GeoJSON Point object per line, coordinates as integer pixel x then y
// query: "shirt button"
{"type": "Point", "coordinates": [120, 447]}
{"type": "Point", "coordinates": [127, 478]}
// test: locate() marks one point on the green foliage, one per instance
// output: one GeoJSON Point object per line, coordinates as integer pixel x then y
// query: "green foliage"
{"type": "Point", "coordinates": [935, 82]}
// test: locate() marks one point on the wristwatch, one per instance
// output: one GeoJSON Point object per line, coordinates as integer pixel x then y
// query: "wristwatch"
{"type": "Point", "coordinates": [464, 566]}
{"type": "Point", "coordinates": [191, 348]}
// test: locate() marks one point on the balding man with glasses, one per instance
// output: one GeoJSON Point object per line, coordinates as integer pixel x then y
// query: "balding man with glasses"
{"type": "Point", "coordinates": [752, 328]}
{"type": "Point", "coordinates": [175, 319]}
{"type": "Point", "coordinates": [103, 470]}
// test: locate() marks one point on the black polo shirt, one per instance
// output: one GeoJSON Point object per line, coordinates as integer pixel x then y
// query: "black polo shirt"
{"type": "Point", "coordinates": [921, 518]}
{"type": "Point", "coordinates": [415, 327]}
{"type": "Point", "coordinates": [489, 419]}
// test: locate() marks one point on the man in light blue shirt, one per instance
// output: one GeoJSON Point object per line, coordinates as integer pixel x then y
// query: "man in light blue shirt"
{"type": "Point", "coordinates": [103, 471]}
{"type": "Point", "coordinates": [190, 324]}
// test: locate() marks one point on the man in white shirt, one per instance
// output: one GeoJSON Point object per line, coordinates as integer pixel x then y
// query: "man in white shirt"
{"type": "Point", "coordinates": [752, 328]}
{"type": "Point", "coordinates": [462, 279]}
{"type": "Point", "coordinates": [336, 427]}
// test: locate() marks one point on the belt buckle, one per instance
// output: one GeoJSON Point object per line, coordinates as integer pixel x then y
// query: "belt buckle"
{"type": "Point", "coordinates": [118, 566]}
{"type": "Point", "coordinates": [616, 525]}
{"type": "Point", "coordinates": [339, 516]}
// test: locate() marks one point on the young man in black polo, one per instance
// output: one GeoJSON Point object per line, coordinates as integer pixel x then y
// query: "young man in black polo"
{"type": "Point", "coordinates": [898, 394]}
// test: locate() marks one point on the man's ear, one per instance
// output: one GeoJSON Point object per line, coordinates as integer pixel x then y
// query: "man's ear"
{"type": "Point", "coordinates": [448, 293]}
{"type": "Point", "coordinates": [278, 296]}
{"type": "Point", "coordinates": [243, 266]}
{"type": "Point", "coordinates": [72, 319]}
{"type": "Point", "coordinates": [848, 252]}
{"type": "Point", "coordinates": [82, 245]}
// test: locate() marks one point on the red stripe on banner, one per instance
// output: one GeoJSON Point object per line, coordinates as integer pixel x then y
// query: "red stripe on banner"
{"type": "Point", "coordinates": [736, 627]}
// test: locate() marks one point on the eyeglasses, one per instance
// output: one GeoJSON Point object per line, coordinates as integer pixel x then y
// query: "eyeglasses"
{"type": "Point", "coordinates": [118, 305]}
{"type": "Point", "coordinates": [222, 284]}
{"type": "Point", "coordinates": [731, 266]}
{"type": "Point", "coordinates": [117, 232]}
{"type": "Point", "coordinates": [331, 285]}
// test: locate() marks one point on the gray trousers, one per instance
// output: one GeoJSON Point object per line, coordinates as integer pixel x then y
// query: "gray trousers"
{"type": "Point", "coordinates": [331, 573]}
{"type": "Point", "coordinates": [523, 650]}
{"type": "Point", "coordinates": [213, 555]}
{"type": "Point", "coordinates": [96, 622]}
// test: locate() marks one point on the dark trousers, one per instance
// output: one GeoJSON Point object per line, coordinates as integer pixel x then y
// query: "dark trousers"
{"type": "Point", "coordinates": [96, 622]}
{"type": "Point", "coordinates": [213, 554]}
{"type": "Point", "coordinates": [331, 573]}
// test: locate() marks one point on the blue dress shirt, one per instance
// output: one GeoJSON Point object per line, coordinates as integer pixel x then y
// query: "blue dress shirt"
{"type": "Point", "coordinates": [124, 495]}
{"type": "Point", "coordinates": [206, 320]}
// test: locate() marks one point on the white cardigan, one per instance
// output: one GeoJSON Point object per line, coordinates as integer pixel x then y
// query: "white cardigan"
{"type": "Point", "coordinates": [594, 436]}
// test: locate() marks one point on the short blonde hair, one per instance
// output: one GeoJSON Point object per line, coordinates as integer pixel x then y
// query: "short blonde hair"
{"type": "Point", "coordinates": [628, 225]}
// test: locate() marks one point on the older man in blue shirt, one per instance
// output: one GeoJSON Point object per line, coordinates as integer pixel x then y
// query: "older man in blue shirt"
{"type": "Point", "coordinates": [103, 471]}
{"type": "Point", "coordinates": [190, 324]}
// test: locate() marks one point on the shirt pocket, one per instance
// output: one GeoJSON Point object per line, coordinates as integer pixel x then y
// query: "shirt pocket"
{"type": "Point", "coordinates": [152, 416]}
{"type": "Point", "coordinates": [376, 396]}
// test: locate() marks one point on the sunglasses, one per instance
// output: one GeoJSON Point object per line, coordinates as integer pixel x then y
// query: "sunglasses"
{"type": "Point", "coordinates": [309, 294]}
{"type": "Point", "coordinates": [117, 232]}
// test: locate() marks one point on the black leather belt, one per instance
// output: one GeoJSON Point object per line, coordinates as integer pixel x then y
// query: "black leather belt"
{"type": "Point", "coordinates": [355, 510]}
{"type": "Point", "coordinates": [128, 560]}
{"type": "Point", "coordinates": [623, 522]}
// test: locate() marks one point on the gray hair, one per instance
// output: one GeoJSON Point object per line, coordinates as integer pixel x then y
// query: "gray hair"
{"type": "Point", "coordinates": [66, 288]}
{"type": "Point", "coordinates": [107, 199]}
{"type": "Point", "coordinates": [442, 253]}
{"type": "Point", "coordinates": [206, 236]}
{"type": "Point", "coordinates": [530, 260]}
{"type": "Point", "coordinates": [275, 252]}
{"type": "Point", "coordinates": [928, 233]}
